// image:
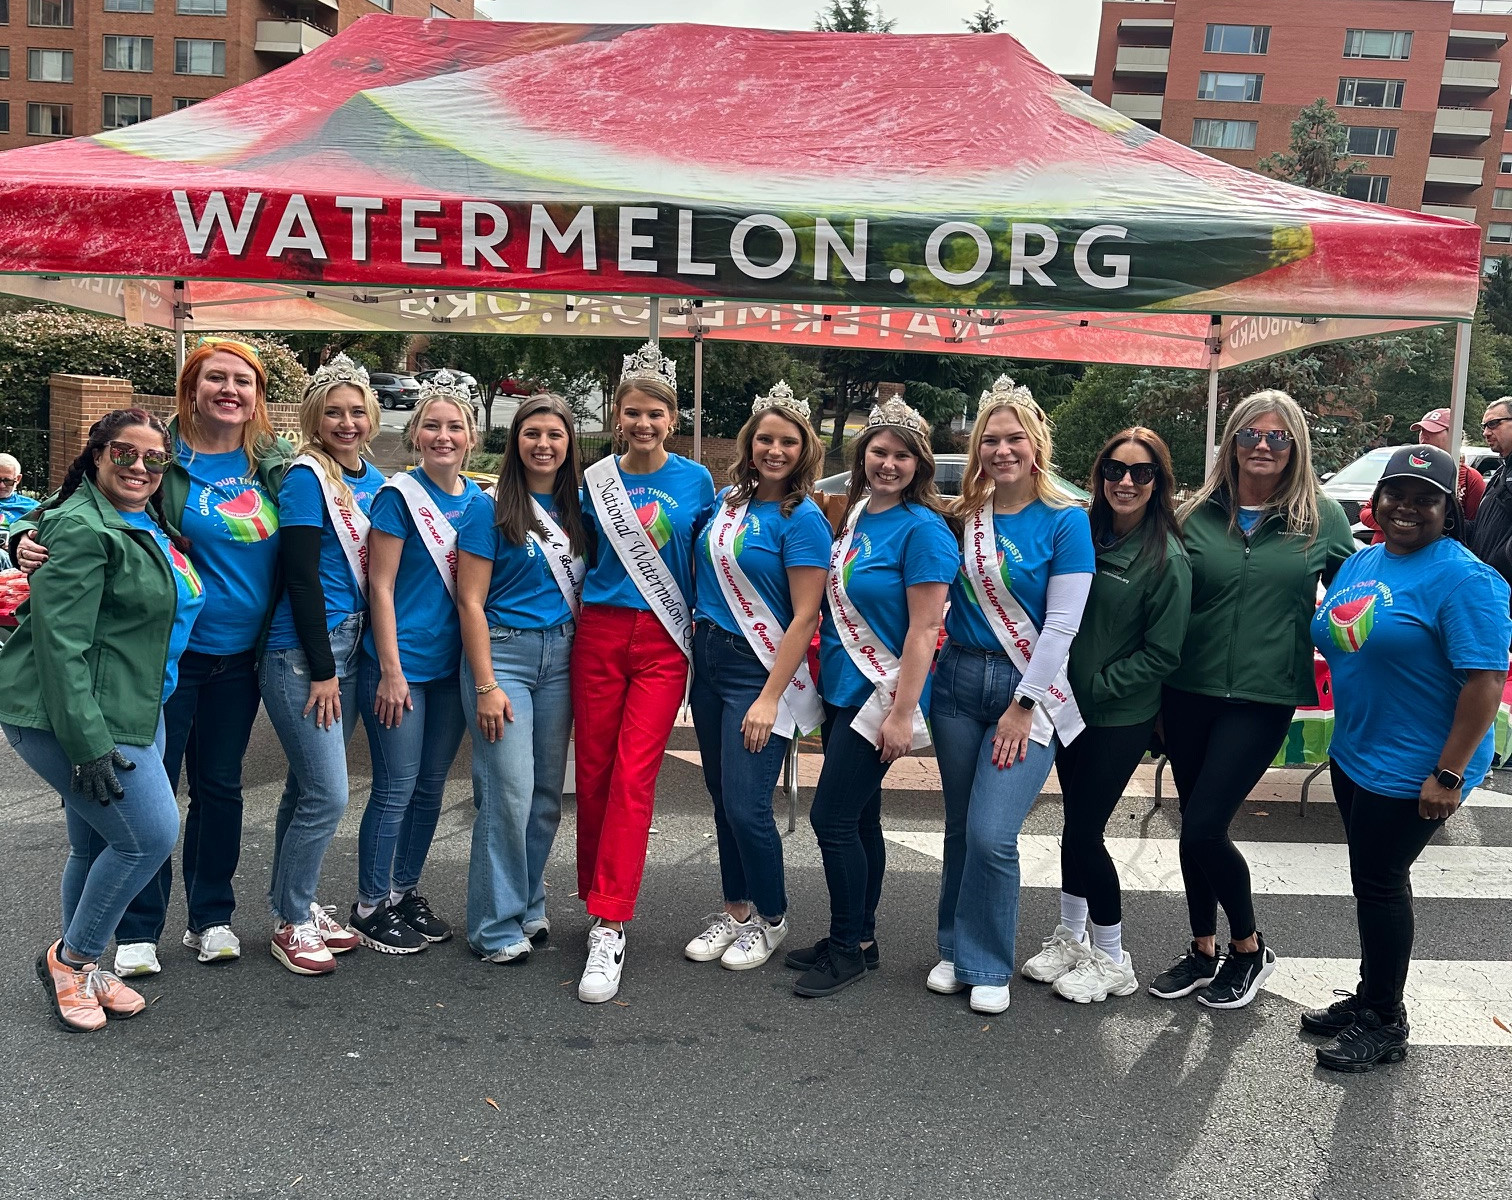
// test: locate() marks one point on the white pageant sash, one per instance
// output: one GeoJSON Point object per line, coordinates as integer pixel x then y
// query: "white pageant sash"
{"type": "Point", "coordinates": [351, 524]}
{"type": "Point", "coordinates": [436, 532]}
{"type": "Point", "coordinates": [567, 570]}
{"type": "Point", "coordinates": [799, 706]}
{"type": "Point", "coordinates": [1015, 632]}
{"type": "Point", "coordinates": [876, 662]}
{"type": "Point", "coordinates": [637, 552]}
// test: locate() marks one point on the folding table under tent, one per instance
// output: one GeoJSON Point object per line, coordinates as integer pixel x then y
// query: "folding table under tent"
{"type": "Point", "coordinates": [939, 193]}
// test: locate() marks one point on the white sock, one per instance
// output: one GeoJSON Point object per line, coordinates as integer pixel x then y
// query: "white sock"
{"type": "Point", "coordinates": [395, 897]}
{"type": "Point", "coordinates": [1109, 939]}
{"type": "Point", "coordinates": [1074, 914]}
{"type": "Point", "coordinates": [366, 910]}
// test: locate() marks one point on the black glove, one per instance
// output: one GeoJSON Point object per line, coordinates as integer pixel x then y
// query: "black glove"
{"type": "Point", "coordinates": [96, 779]}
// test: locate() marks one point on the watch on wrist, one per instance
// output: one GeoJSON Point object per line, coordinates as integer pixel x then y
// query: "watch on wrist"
{"type": "Point", "coordinates": [1024, 702]}
{"type": "Point", "coordinates": [1448, 779]}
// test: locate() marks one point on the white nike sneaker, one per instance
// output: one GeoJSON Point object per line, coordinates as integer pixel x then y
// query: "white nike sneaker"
{"type": "Point", "coordinates": [942, 979]}
{"type": "Point", "coordinates": [606, 959]}
{"type": "Point", "coordinates": [1058, 954]}
{"type": "Point", "coordinates": [216, 944]}
{"type": "Point", "coordinates": [136, 958]}
{"type": "Point", "coordinates": [1096, 978]}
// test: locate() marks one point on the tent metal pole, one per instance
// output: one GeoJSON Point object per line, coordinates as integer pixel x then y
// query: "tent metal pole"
{"type": "Point", "coordinates": [178, 326]}
{"type": "Point", "coordinates": [655, 320]}
{"type": "Point", "coordinates": [698, 339]}
{"type": "Point", "coordinates": [1462, 333]}
{"type": "Point", "coordinates": [1215, 347]}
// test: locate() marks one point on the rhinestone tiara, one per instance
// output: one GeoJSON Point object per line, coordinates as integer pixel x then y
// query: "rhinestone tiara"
{"type": "Point", "coordinates": [781, 396]}
{"type": "Point", "coordinates": [444, 385]}
{"type": "Point", "coordinates": [895, 412]}
{"type": "Point", "coordinates": [340, 369]}
{"type": "Point", "coordinates": [650, 363]}
{"type": "Point", "coordinates": [1005, 391]}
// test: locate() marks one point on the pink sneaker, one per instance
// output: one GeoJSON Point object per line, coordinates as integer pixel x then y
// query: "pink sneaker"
{"type": "Point", "coordinates": [301, 949]}
{"type": "Point", "coordinates": [337, 937]}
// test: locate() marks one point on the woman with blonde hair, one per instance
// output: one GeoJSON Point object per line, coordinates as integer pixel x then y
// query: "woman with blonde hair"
{"type": "Point", "coordinates": [1260, 534]}
{"type": "Point", "coordinates": [761, 567]}
{"type": "Point", "coordinates": [308, 672]}
{"type": "Point", "coordinates": [1024, 566]}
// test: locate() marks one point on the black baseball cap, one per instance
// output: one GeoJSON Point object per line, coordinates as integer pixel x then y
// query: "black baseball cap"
{"type": "Point", "coordinates": [1427, 463]}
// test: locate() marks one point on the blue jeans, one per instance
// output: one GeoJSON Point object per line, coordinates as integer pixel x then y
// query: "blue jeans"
{"type": "Point", "coordinates": [517, 783]}
{"type": "Point", "coordinates": [410, 764]}
{"type": "Point", "coordinates": [847, 820]}
{"type": "Point", "coordinates": [207, 724]}
{"type": "Point", "coordinates": [985, 807]}
{"type": "Point", "coordinates": [315, 791]}
{"type": "Point", "coordinates": [727, 679]}
{"type": "Point", "coordinates": [113, 849]}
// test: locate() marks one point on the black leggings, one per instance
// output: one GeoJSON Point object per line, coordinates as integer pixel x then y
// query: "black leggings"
{"type": "Point", "coordinates": [1385, 837]}
{"type": "Point", "coordinates": [1093, 772]}
{"type": "Point", "coordinates": [1219, 750]}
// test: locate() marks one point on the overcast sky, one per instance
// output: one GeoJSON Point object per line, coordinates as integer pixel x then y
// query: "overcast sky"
{"type": "Point", "coordinates": [1063, 33]}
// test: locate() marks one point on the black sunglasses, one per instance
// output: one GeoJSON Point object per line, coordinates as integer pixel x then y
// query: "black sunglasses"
{"type": "Point", "coordinates": [124, 454]}
{"type": "Point", "coordinates": [1277, 439]}
{"type": "Point", "coordinates": [1141, 473]}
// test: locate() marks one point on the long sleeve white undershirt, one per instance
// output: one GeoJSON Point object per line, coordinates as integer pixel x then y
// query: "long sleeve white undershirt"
{"type": "Point", "coordinates": [1065, 601]}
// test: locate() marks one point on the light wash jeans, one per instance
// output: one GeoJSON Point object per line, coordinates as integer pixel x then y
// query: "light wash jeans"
{"type": "Point", "coordinates": [517, 783]}
{"type": "Point", "coordinates": [315, 792]}
{"type": "Point", "coordinates": [113, 849]}
{"type": "Point", "coordinates": [410, 765]}
{"type": "Point", "coordinates": [985, 808]}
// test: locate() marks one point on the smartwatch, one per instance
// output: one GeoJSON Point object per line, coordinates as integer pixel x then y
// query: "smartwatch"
{"type": "Point", "coordinates": [1448, 779]}
{"type": "Point", "coordinates": [1024, 702]}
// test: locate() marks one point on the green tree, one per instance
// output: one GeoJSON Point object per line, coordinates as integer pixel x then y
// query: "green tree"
{"type": "Point", "coordinates": [852, 16]}
{"type": "Point", "coordinates": [1496, 294]}
{"type": "Point", "coordinates": [1319, 148]}
{"type": "Point", "coordinates": [375, 351]}
{"type": "Point", "coordinates": [984, 20]}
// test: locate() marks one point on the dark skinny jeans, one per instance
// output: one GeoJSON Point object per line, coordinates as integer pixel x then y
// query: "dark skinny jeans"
{"type": "Point", "coordinates": [847, 820]}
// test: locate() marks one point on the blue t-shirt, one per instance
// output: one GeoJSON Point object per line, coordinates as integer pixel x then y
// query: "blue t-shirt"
{"type": "Point", "coordinates": [1399, 632]}
{"type": "Point", "coordinates": [13, 507]}
{"type": "Point", "coordinates": [890, 552]}
{"type": "Point", "coordinates": [1248, 518]}
{"type": "Point", "coordinates": [766, 545]}
{"type": "Point", "coordinates": [191, 596]}
{"type": "Point", "coordinates": [430, 636]}
{"type": "Point", "coordinates": [1033, 544]}
{"type": "Point", "coordinates": [522, 593]}
{"type": "Point", "coordinates": [672, 504]}
{"type": "Point", "coordinates": [302, 502]}
{"type": "Point", "coordinates": [232, 525]}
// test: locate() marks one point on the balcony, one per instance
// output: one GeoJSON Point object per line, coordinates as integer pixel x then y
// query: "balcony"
{"type": "Point", "coordinates": [1472, 76]}
{"type": "Point", "coordinates": [1462, 123]}
{"type": "Point", "coordinates": [1142, 60]}
{"type": "Point", "coordinates": [1463, 212]}
{"type": "Point", "coordinates": [1147, 23]}
{"type": "Point", "coordinates": [288, 38]}
{"type": "Point", "coordinates": [1480, 39]}
{"type": "Point", "coordinates": [1139, 108]}
{"type": "Point", "coordinates": [1454, 171]}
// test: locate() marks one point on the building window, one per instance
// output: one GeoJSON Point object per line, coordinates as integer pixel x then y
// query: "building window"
{"type": "Point", "coordinates": [1506, 165]}
{"type": "Point", "coordinates": [120, 111]}
{"type": "Point", "coordinates": [49, 66]}
{"type": "Point", "coordinates": [4, 116]}
{"type": "Point", "coordinates": [440, 12]}
{"type": "Point", "coordinates": [1372, 141]}
{"type": "Point", "coordinates": [1224, 135]}
{"type": "Point", "coordinates": [1228, 85]}
{"type": "Point", "coordinates": [4, 12]}
{"type": "Point", "coordinates": [1377, 43]}
{"type": "Point", "coordinates": [386, 5]}
{"type": "Point", "coordinates": [1370, 93]}
{"type": "Point", "coordinates": [1490, 266]}
{"type": "Point", "coordinates": [184, 102]}
{"type": "Point", "coordinates": [1367, 187]}
{"type": "Point", "coordinates": [193, 56]}
{"type": "Point", "coordinates": [128, 6]}
{"type": "Point", "coordinates": [128, 53]}
{"type": "Point", "coordinates": [49, 120]}
{"type": "Point", "coordinates": [4, 62]}
{"type": "Point", "coordinates": [1501, 198]}
{"type": "Point", "coordinates": [54, 14]}
{"type": "Point", "coordinates": [201, 8]}
{"type": "Point", "coordinates": [1496, 232]}
{"type": "Point", "coordinates": [1237, 39]}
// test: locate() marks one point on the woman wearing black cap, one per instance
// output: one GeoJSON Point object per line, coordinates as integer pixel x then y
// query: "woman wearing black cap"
{"type": "Point", "coordinates": [1418, 607]}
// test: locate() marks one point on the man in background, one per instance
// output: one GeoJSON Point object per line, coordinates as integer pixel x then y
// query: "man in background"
{"type": "Point", "coordinates": [12, 503]}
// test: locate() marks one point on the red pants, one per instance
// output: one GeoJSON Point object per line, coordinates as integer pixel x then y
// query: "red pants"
{"type": "Point", "coordinates": [628, 679]}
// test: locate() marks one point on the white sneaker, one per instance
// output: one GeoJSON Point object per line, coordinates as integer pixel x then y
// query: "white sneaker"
{"type": "Point", "coordinates": [513, 952]}
{"type": "Point", "coordinates": [216, 944]}
{"type": "Point", "coordinates": [537, 930]}
{"type": "Point", "coordinates": [755, 943]}
{"type": "Point", "coordinates": [717, 938]}
{"type": "Point", "coordinates": [1096, 978]}
{"type": "Point", "coordinates": [985, 999]}
{"type": "Point", "coordinates": [606, 959]}
{"type": "Point", "coordinates": [942, 979]}
{"type": "Point", "coordinates": [136, 958]}
{"type": "Point", "coordinates": [1059, 953]}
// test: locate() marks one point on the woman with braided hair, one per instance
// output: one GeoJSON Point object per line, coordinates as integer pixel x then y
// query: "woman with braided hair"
{"type": "Point", "coordinates": [82, 687]}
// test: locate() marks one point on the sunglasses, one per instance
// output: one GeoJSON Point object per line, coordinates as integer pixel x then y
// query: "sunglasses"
{"type": "Point", "coordinates": [1141, 473]}
{"type": "Point", "coordinates": [215, 341]}
{"type": "Point", "coordinates": [124, 454]}
{"type": "Point", "coordinates": [1277, 439]}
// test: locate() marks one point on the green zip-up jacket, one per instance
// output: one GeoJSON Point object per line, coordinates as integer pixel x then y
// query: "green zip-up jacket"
{"type": "Point", "coordinates": [88, 658]}
{"type": "Point", "coordinates": [1131, 632]}
{"type": "Point", "coordinates": [1252, 604]}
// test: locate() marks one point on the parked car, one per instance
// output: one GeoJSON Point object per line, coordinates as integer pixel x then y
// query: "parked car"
{"type": "Point", "coordinates": [395, 390]}
{"type": "Point", "coordinates": [949, 471]}
{"type": "Point", "coordinates": [1352, 485]}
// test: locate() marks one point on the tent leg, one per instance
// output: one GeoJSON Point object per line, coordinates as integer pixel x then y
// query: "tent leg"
{"type": "Point", "coordinates": [178, 326]}
{"type": "Point", "coordinates": [1212, 413]}
{"type": "Point", "coordinates": [698, 396]}
{"type": "Point", "coordinates": [1462, 333]}
{"type": "Point", "coordinates": [654, 320]}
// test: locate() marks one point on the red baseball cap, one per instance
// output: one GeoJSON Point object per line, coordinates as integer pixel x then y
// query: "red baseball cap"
{"type": "Point", "coordinates": [1435, 421]}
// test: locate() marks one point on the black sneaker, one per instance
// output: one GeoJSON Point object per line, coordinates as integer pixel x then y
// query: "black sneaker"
{"type": "Point", "coordinates": [832, 970]}
{"type": "Point", "coordinates": [1336, 1018]}
{"type": "Point", "coordinates": [1239, 978]}
{"type": "Point", "coordinates": [384, 932]}
{"type": "Point", "coordinates": [1191, 971]}
{"type": "Point", "coordinates": [415, 912]}
{"type": "Point", "coordinates": [1367, 1043]}
{"type": "Point", "coordinates": [804, 958]}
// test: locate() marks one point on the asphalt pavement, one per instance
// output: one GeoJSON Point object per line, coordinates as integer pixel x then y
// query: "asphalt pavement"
{"type": "Point", "coordinates": [441, 1076]}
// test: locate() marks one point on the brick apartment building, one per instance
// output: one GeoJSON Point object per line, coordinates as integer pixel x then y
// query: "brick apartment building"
{"type": "Point", "coordinates": [72, 67]}
{"type": "Point", "coordinates": [1422, 85]}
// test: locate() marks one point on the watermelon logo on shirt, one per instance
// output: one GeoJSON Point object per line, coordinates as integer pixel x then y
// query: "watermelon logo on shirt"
{"type": "Point", "coordinates": [655, 522]}
{"type": "Point", "coordinates": [1350, 623]}
{"type": "Point", "coordinates": [184, 569]}
{"type": "Point", "coordinates": [249, 517]}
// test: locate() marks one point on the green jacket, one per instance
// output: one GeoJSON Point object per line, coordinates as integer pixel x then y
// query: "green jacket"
{"type": "Point", "coordinates": [1131, 633]}
{"type": "Point", "coordinates": [1252, 604]}
{"type": "Point", "coordinates": [88, 658]}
